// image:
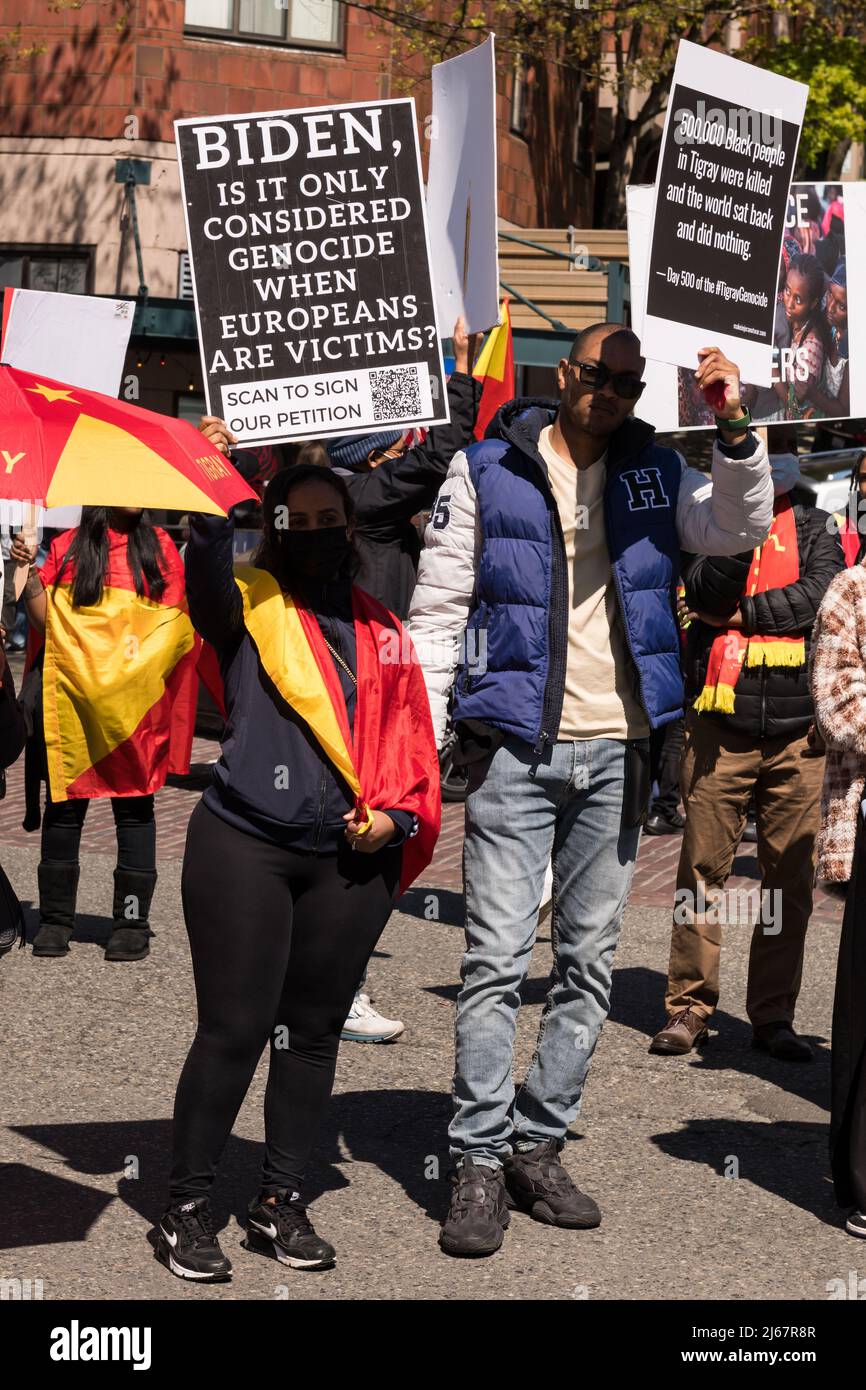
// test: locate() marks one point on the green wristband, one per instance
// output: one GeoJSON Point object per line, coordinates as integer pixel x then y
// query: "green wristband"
{"type": "Point", "coordinates": [743, 423]}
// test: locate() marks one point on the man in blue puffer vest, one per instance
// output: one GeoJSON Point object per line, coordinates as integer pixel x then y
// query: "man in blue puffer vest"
{"type": "Point", "coordinates": [552, 555]}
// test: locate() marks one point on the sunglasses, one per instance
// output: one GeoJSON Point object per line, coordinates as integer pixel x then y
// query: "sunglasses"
{"type": "Point", "coordinates": [626, 385]}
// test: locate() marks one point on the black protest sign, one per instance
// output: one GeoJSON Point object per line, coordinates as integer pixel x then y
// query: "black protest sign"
{"type": "Point", "coordinates": [719, 222]}
{"type": "Point", "coordinates": [311, 270]}
{"type": "Point", "coordinates": [721, 200]}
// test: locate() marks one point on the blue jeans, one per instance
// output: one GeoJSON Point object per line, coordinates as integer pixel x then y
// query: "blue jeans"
{"type": "Point", "coordinates": [523, 808]}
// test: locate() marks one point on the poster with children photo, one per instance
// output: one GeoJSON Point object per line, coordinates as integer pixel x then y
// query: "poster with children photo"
{"type": "Point", "coordinates": [811, 345]}
{"type": "Point", "coordinates": [819, 328]}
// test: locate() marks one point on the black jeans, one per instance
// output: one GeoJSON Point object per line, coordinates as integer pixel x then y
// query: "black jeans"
{"type": "Point", "coordinates": [279, 941]}
{"type": "Point", "coordinates": [666, 755]}
{"type": "Point", "coordinates": [133, 821]}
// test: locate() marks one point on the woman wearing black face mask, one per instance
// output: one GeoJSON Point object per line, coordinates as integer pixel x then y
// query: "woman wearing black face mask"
{"type": "Point", "coordinates": [323, 806]}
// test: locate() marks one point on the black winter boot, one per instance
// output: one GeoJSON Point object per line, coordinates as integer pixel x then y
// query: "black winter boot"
{"type": "Point", "coordinates": [133, 891]}
{"type": "Point", "coordinates": [58, 889]}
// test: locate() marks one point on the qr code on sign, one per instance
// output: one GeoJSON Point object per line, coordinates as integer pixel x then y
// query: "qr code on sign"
{"type": "Point", "coordinates": [396, 393]}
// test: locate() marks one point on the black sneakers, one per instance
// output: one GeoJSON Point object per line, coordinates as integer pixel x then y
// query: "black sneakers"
{"type": "Point", "coordinates": [537, 1183]}
{"type": "Point", "coordinates": [283, 1231]}
{"type": "Point", "coordinates": [856, 1223]}
{"type": "Point", "coordinates": [187, 1244]}
{"type": "Point", "coordinates": [478, 1218]}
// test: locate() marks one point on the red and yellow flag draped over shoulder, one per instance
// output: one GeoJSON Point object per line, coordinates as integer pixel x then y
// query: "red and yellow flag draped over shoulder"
{"type": "Point", "coordinates": [119, 681]}
{"type": "Point", "coordinates": [389, 758]}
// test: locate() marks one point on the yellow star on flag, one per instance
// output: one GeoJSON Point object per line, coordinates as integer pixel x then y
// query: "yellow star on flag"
{"type": "Point", "coordinates": [51, 395]}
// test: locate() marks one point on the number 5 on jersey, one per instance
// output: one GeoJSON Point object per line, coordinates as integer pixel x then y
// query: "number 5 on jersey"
{"type": "Point", "coordinates": [441, 514]}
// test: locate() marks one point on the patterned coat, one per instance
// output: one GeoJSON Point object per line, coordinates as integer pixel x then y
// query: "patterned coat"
{"type": "Point", "coordinates": [838, 676]}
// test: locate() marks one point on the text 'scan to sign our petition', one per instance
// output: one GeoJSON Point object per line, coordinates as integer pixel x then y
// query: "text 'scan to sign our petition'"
{"type": "Point", "coordinates": [311, 270]}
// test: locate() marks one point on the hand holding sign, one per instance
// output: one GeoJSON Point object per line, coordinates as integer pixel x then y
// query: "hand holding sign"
{"type": "Point", "coordinates": [465, 347]}
{"type": "Point", "coordinates": [217, 432]}
{"type": "Point", "coordinates": [719, 379]}
{"type": "Point", "coordinates": [22, 551]}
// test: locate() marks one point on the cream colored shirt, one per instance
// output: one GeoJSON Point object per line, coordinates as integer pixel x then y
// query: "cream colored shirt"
{"type": "Point", "coordinates": [601, 698]}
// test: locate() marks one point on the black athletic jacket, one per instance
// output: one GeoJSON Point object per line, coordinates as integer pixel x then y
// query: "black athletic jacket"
{"type": "Point", "coordinates": [304, 810]}
{"type": "Point", "coordinates": [387, 497]}
{"type": "Point", "coordinates": [769, 701]}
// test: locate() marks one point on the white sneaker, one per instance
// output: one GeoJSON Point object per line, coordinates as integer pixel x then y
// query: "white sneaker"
{"type": "Point", "coordinates": [365, 1025]}
{"type": "Point", "coordinates": [856, 1224]}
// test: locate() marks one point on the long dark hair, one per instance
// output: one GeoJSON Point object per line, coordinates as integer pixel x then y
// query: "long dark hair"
{"type": "Point", "coordinates": [270, 554]}
{"type": "Point", "coordinates": [89, 551]}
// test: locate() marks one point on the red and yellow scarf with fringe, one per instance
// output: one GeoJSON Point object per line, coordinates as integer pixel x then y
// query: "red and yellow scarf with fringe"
{"type": "Point", "coordinates": [774, 564]}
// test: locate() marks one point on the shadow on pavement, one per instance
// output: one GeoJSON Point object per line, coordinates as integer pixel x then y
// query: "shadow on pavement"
{"type": "Point", "coordinates": [402, 1133]}
{"type": "Point", "coordinates": [637, 1000]}
{"type": "Point", "coordinates": [38, 1208]}
{"type": "Point", "coordinates": [788, 1159]}
{"type": "Point", "coordinates": [90, 928]}
{"type": "Point", "coordinates": [440, 905]}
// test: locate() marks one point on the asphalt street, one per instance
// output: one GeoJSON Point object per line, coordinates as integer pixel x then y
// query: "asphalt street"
{"type": "Point", "coordinates": [711, 1172]}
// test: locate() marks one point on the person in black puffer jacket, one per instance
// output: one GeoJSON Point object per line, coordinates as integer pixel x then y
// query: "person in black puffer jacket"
{"type": "Point", "coordinates": [389, 485]}
{"type": "Point", "coordinates": [755, 743]}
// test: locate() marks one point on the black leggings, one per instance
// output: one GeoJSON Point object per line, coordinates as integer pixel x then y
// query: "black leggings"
{"type": "Point", "coordinates": [279, 941]}
{"type": "Point", "coordinates": [133, 821]}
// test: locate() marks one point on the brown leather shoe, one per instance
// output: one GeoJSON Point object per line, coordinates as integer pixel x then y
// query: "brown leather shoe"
{"type": "Point", "coordinates": [681, 1033]}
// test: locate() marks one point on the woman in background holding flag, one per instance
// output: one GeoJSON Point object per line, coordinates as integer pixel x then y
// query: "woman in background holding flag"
{"type": "Point", "coordinates": [323, 806]}
{"type": "Point", "coordinates": [116, 711]}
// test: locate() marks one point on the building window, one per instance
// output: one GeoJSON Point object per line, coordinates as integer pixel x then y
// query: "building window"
{"type": "Point", "coordinates": [299, 23]}
{"type": "Point", "coordinates": [519, 109]}
{"type": "Point", "coordinates": [38, 268]}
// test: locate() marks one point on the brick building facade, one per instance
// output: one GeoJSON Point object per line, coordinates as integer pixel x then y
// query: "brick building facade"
{"type": "Point", "coordinates": [87, 83]}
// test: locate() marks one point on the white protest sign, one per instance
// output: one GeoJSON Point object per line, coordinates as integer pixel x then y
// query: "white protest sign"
{"type": "Point", "coordinates": [461, 189]}
{"type": "Point", "coordinates": [311, 270]}
{"type": "Point", "coordinates": [658, 404]}
{"type": "Point", "coordinates": [819, 334]}
{"type": "Point", "coordinates": [75, 338]}
{"type": "Point", "coordinates": [727, 156]}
